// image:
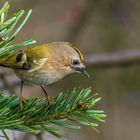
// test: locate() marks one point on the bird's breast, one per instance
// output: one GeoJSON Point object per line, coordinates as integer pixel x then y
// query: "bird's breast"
{"type": "Point", "coordinates": [39, 77]}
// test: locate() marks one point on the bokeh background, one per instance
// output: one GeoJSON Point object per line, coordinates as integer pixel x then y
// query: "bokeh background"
{"type": "Point", "coordinates": [94, 26]}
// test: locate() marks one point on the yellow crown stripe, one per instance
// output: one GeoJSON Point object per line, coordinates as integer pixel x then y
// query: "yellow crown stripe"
{"type": "Point", "coordinates": [79, 52]}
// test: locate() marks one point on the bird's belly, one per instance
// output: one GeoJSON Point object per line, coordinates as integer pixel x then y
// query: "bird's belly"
{"type": "Point", "coordinates": [38, 78]}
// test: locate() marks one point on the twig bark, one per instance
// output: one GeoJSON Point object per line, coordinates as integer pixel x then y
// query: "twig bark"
{"type": "Point", "coordinates": [111, 59]}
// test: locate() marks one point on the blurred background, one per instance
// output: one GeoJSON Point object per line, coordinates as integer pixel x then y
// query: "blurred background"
{"type": "Point", "coordinates": [102, 30]}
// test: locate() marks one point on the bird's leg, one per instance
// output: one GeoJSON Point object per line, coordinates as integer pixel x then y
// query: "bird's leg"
{"type": "Point", "coordinates": [48, 98]}
{"type": "Point", "coordinates": [21, 97]}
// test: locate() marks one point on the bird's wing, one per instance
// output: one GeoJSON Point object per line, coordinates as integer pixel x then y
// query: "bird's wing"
{"type": "Point", "coordinates": [15, 60]}
{"type": "Point", "coordinates": [28, 59]}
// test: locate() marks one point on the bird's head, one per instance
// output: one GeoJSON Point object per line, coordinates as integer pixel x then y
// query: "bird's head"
{"type": "Point", "coordinates": [70, 58]}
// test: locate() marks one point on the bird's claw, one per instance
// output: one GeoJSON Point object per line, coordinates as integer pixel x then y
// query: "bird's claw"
{"type": "Point", "coordinates": [48, 99]}
{"type": "Point", "coordinates": [22, 100]}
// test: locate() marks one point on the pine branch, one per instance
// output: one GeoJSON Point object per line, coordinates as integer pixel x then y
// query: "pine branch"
{"type": "Point", "coordinates": [36, 117]}
{"type": "Point", "coordinates": [7, 33]}
{"type": "Point", "coordinates": [75, 106]}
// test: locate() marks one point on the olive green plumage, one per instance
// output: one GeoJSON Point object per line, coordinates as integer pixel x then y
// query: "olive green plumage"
{"type": "Point", "coordinates": [45, 64]}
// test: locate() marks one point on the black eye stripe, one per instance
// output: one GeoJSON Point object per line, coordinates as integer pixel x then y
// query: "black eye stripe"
{"type": "Point", "coordinates": [19, 57]}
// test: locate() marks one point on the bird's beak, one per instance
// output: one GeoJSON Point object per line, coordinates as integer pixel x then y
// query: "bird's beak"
{"type": "Point", "coordinates": [84, 71]}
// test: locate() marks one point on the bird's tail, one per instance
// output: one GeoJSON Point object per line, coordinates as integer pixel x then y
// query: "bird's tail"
{"type": "Point", "coordinates": [1, 64]}
{"type": "Point", "coordinates": [7, 65]}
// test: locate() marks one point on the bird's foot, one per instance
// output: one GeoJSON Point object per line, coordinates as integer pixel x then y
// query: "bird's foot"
{"type": "Point", "coordinates": [48, 99]}
{"type": "Point", "coordinates": [22, 100]}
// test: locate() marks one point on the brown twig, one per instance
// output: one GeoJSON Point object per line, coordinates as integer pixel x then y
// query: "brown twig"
{"type": "Point", "coordinates": [111, 59]}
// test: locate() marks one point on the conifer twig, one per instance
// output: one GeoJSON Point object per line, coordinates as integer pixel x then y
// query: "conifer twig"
{"type": "Point", "coordinates": [75, 106]}
{"type": "Point", "coordinates": [5, 135]}
{"type": "Point", "coordinates": [7, 28]}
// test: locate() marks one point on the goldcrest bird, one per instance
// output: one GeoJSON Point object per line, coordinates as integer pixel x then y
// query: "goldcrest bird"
{"type": "Point", "coordinates": [45, 64]}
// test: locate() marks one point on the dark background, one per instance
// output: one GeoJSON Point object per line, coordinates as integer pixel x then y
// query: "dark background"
{"type": "Point", "coordinates": [94, 26]}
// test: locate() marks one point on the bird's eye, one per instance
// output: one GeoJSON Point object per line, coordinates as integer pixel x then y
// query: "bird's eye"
{"type": "Point", "coordinates": [75, 62]}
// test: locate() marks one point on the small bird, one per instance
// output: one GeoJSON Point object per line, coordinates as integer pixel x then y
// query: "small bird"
{"type": "Point", "coordinates": [45, 64]}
